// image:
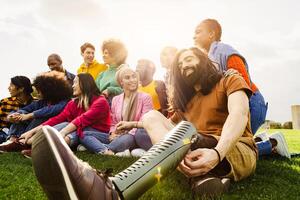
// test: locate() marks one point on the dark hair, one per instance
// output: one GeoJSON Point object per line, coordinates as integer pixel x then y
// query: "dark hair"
{"type": "Point", "coordinates": [209, 76]}
{"type": "Point", "coordinates": [56, 57]}
{"type": "Point", "coordinates": [213, 25]}
{"type": "Point", "coordinates": [116, 49]}
{"type": "Point", "coordinates": [85, 46]}
{"type": "Point", "coordinates": [22, 82]}
{"type": "Point", "coordinates": [53, 86]}
{"type": "Point", "coordinates": [88, 88]}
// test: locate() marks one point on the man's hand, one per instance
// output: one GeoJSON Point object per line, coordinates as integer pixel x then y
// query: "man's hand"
{"type": "Point", "coordinates": [25, 117]}
{"type": "Point", "coordinates": [199, 162]}
{"type": "Point", "coordinates": [231, 71]}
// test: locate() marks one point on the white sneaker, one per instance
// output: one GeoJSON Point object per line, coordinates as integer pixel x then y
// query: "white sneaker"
{"type": "Point", "coordinates": [125, 153]}
{"type": "Point", "coordinates": [281, 147]}
{"type": "Point", "coordinates": [138, 152]}
{"type": "Point", "coordinates": [263, 136]}
{"type": "Point", "coordinates": [81, 148]}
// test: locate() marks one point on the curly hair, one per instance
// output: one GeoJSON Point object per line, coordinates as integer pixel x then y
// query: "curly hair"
{"type": "Point", "coordinates": [53, 86]}
{"type": "Point", "coordinates": [181, 93]}
{"type": "Point", "coordinates": [116, 49]}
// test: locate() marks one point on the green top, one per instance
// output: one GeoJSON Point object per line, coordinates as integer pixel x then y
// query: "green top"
{"type": "Point", "coordinates": [107, 80]}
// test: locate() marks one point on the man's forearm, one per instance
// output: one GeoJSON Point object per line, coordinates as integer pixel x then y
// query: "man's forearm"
{"type": "Point", "coordinates": [232, 130]}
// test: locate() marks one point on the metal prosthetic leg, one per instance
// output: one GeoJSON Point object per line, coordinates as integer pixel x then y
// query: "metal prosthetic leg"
{"type": "Point", "coordinates": [156, 164]}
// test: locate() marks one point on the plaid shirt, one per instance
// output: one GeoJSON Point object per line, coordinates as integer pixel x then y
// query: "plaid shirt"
{"type": "Point", "coordinates": [7, 106]}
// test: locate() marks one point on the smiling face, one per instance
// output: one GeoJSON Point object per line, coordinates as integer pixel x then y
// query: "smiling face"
{"type": "Point", "coordinates": [88, 55]}
{"type": "Point", "coordinates": [76, 87]}
{"type": "Point", "coordinates": [107, 58]}
{"type": "Point", "coordinates": [129, 80]}
{"type": "Point", "coordinates": [187, 64]}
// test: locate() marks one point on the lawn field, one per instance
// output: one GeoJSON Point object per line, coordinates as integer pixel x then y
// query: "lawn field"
{"type": "Point", "coordinates": [275, 177]}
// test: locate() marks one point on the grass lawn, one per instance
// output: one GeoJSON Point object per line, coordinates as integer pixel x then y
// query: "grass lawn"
{"type": "Point", "coordinates": [275, 178]}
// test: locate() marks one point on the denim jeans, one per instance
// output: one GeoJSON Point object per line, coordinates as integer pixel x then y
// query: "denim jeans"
{"type": "Point", "coordinates": [17, 129]}
{"type": "Point", "coordinates": [3, 136]}
{"type": "Point", "coordinates": [258, 111]}
{"type": "Point", "coordinates": [93, 140]}
{"type": "Point", "coordinates": [264, 148]}
{"type": "Point", "coordinates": [127, 141]}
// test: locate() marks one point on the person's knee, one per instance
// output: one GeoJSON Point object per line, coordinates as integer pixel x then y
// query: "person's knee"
{"type": "Point", "coordinates": [151, 117]}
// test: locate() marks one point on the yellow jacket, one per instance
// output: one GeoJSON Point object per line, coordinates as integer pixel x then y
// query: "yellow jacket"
{"type": "Point", "coordinates": [94, 69]}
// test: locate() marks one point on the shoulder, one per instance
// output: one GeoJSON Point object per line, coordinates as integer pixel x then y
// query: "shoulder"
{"type": "Point", "coordinates": [234, 83]}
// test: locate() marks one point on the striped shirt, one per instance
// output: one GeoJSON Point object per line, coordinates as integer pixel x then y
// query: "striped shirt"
{"type": "Point", "coordinates": [7, 106]}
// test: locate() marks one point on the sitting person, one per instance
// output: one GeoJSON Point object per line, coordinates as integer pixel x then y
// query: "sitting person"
{"type": "Point", "coordinates": [54, 92]}
{"type": "Point", "coordinates": [114, 55]}
{"type": "Point", "coordinates": [129, 106]}
{"type": "Point", "coordinates": [90, 65]}
{"type": "Point", "coordinates": [54, 62]}
{"type": "Point", "coordinates": [20, 95]}
{"type": "Point", "coordinates": [223, 148]}
{"type": "Point", "coordinates": [85, 119]}
{"type": "Point", "coordinates": [155, 88]}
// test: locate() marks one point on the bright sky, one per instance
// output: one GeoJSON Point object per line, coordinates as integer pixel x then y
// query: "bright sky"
{"type": "Point", "coordinates": [266, 32]}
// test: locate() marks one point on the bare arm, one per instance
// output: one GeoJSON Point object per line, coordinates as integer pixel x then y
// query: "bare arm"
{"type": "Point", "coordinates": [236, 122]}
{"type": "Point", "coordinates": [201, 161]}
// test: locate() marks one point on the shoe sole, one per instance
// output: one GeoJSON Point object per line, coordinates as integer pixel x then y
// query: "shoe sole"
{"type": "Point", "coordinates": [62, 187]}
{"type": "Point", "coordinates": [157, 163]}
{"type": "Point", "coordinates": [283, 141]}
{"type": "Point", "coordinates": [210, 187]}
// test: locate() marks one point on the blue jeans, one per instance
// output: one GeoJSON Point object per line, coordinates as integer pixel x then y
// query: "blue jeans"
{"type": "Point", "coordinates": [17, 129]}
{"type": "Point", "coordinates": [93, 140]}
{"type": "Point", "coordinates": [258, 111]}
{"type": "Point", "coordinates": [128, 141]}
{"type": "Point", "coordinates": [3, 136]}
{"type": "Point", "coordinates": [264, 148]}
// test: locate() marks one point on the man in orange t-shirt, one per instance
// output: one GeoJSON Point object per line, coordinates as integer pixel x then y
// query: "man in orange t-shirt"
{"type": "Point", "coordinates": [218, 107]}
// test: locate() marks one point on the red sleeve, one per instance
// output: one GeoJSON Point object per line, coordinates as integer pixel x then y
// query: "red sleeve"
{"type": "Point", "coordinates": [97, 113]}
{"type": "Point", "coordinates": [62, 117]}
{"type": "Point", "coordinates": [236, 62]}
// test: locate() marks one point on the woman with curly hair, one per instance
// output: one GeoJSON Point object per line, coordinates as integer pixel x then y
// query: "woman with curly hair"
{"type": "Point", "coordinates": [85, 119]}
{"type": "Point", "coordinates": [53, 92]}
{"type": "Point", "coordinates": [114, 55]}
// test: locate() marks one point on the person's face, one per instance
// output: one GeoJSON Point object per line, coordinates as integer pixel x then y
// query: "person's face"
{"type": "Point", "coordinates": [54, 64]}
{"type": "Point", "coordinates": [166, 58]}
{"type": "Point", "coordinates": [203, 36]}
{"type": "Point", "coordinates": [144, 70]}
{"type": "Point", "coordinates": [107, 58]}
{"type": "Point", "coordinates": [14, 90]}
{"type": "Point", "coordinates": [88, 55]}
{"type": "Point", "coordinates": [129, 81]}
{"type": "Point", "coordinates": [187, 64]}
{"type": "Point", "coordinates": [76, 87]}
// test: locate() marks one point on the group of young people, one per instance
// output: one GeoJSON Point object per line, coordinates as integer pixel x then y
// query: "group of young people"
{"type": "Point", "coordinates": [112, 109]}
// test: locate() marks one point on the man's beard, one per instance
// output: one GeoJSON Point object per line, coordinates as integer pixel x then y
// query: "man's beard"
{"type": "Point", "coordinates": [192, 79]}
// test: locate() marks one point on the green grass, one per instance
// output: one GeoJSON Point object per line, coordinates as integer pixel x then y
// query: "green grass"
{"type": "Point", "coordinates": [275, 178]}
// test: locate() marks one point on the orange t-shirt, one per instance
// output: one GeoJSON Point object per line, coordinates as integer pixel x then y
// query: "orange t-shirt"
{"type": "Point", "coordinates": [235, 62]}
{"type": "Point", "coordinates": [208, 113]}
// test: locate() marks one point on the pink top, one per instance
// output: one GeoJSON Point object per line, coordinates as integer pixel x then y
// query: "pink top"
{"type": "Point", "coordinates": [144, 105]}
{"type": "Point", "coordinates": [97, 116]}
